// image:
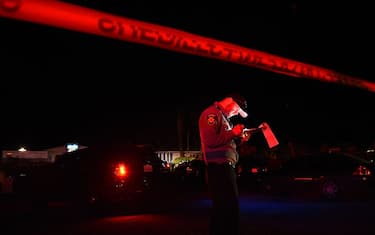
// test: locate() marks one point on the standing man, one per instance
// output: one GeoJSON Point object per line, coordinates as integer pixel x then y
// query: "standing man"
{"type": "Point", "coordinates": [218, 139]}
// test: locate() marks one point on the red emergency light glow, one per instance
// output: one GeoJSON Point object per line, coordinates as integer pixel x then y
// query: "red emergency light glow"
{"type": "Point", "coordinates": [120, 170]}
{"type": "Point", "coordinates": [72, 17]}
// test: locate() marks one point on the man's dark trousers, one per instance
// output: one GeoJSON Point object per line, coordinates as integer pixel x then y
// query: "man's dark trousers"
{"type": "Point", "coordinates": [222, 184]}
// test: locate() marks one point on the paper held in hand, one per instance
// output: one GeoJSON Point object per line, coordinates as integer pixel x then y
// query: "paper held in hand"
{"type": "Point", "coordinates": [268, 135]}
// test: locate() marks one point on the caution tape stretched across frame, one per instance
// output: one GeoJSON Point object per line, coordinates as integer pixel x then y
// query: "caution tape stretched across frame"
{"type": "Point", "coordinates": [77, 18]}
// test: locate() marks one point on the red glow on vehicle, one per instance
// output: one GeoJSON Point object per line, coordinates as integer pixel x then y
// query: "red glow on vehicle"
{"type": "Point", "coordinates": [120, 170]}
{"type": "Point", "coordinates": [254, 170]}
{"type": "Point", "coordinates": [362, 171]}
{"type": "Point", "coordinates": [303, 179]}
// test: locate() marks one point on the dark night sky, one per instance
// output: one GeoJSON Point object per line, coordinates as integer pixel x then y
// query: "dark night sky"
{"type": "Point", "coordinates": [60, 86]}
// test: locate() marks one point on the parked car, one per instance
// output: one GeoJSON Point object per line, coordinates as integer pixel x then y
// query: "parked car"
{"type": "Point", "coordinates": [250, 170]}
{"type": "Point", "coordinates": [95, 175]}
{"type": "Point", "coordinates": [325, 176]}
{"type": "Point", "coordinates": [191, 172]}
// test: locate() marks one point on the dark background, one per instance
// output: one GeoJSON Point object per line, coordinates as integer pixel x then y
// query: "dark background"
{"type": "Point", "coordinates": [59, 86]}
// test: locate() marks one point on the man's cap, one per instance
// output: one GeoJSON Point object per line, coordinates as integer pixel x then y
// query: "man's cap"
{"type": "Point", "coordinates": [241, 101]}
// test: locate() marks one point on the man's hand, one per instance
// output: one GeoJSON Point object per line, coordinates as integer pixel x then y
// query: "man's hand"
{"type": "Point", "coordinates": [238, 130]}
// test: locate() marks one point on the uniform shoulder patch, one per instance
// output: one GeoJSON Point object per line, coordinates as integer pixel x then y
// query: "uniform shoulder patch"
{"type": "Point", "coordinates": [212, 119]}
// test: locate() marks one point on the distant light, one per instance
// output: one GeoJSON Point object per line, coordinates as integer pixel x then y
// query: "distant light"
{"type": "Point", "coordinates": [22, 149]}
{"type": "Point", "coordinates": [71, 147]}
{"type": "Point", "coordinates": [370, 150]}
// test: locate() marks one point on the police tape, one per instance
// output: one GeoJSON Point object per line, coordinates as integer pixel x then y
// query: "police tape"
{"type": "Point", "coordinates": [82, 19]}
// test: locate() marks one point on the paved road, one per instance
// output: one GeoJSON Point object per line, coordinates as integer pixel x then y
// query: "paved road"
{"type": "Point", "coordinates": [188, 215]}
